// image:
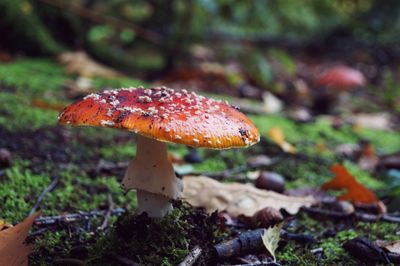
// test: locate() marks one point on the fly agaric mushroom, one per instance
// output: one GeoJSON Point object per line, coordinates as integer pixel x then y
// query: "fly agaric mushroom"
{"type": "Point", "coordinates": [335, 82]}
{"type": "Point", "coordinates": [341, 78]}
{"type": "Point", "coordinates": [160, 115]}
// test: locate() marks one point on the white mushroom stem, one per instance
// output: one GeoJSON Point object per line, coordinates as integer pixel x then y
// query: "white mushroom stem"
{"type": "Point", "coordinates": [153, 176]}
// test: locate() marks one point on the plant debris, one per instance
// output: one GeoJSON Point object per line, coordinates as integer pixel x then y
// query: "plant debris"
{"type": "Point", "coordinates": [237, 198]}
{"type": "Point", "coordinates": [271, 238]}
{"type": "Point", "coordinates": [141, 239]}
{"type": "Point", "coordinates": [356, 192]}
{"type": "Point", "coordinates": [13, 249]}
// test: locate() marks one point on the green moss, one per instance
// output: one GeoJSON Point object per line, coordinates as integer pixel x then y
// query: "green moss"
{"type": "Point", "coordinates": [210, 165]}
{"type": "Point", "coordinates": [118, 152]}
{"type": "Point", "coordinates": [383, 141]}
{"type": "Point", "coordinates": [74, 192]}
{"type": "Point", "coordinates": [378, 231]}
{"type": "Point", "coordinates": [24, 80]}
{"type": "Point", "coordinates": [333, 254]}
{"type": "Point", "coordinates": [363, 177]}
{"type": "Point", "coordinates": [303, 172]}
{"type": "Point", "coordinates": [19, 190]}
{"type": "Point", "coordinates": [163, 241]}
{"type": "Point", "coordinates": [16, 113]}
{"type": "Point", "coordinates": [265, 122]}
{"type": "Point", "coordinates": [320, 131]}
{"type": "Point", "coordinates": [33, 77]}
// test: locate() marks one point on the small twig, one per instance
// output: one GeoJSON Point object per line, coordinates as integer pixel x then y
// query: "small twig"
{"type": "Point", "coordinates": [302, 238]}
{"type": "Point", "coordinates": [365, 250]}
{"type": "Point", "coordinates": [192, 257]}
{"type": "Point", "coordinates": [38, 232]}
{"type": "Point", "coordinates": [366, 217]}
{"type": "Point", "coordinates": [74, 217]}
{"type": "Point", "coordinates": [52, 185]}
{"type": "Point", "coordinates": [107, 216]}
{"type": "Point", "coordinates": [124, 261]}
{"type": "Point", "coordinates": [270, 263]}
{"type": "Point", "coordinates": [317, 250]}
{"type": "Point", "coordinates": [242, 244]}
{"type": "Point", "coordinates": [390, 218]}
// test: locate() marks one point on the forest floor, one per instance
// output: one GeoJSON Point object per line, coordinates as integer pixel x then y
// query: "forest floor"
{"type": "Point", "coordinates": [89, 163]}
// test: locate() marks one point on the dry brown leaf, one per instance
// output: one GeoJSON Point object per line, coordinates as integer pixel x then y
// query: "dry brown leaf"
{"type": "Point", "coordinates": [379, 121]}
{"type": "Point", "coordinates": [13, 250]}
{"type": "Point", "coordinates": [393, 246]}
{"type": "Point", "coordinates": [237, 198]}
{"type": "Point", "coordinates": [82, 64]}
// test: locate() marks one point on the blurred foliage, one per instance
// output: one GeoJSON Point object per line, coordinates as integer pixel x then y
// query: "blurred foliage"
{"type": "Point", "coordinates": [117, 27]}
{"type": "Point", "coordinates": [19, 21]}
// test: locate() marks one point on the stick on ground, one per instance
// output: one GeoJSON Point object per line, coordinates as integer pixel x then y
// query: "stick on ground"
{"type": "Point", "coordinates": [192, 257]}
{"type": "Point", "coordinates": [52, 185]}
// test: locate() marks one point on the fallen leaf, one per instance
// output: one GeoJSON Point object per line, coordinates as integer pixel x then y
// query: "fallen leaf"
{"type": "Point", "coordinates": [392, 246]}
{"type": "Point", "coordinates": [82, 64]}
{"type": "Point", "coordinates": [237, 198]}
{"type": "Point", "coordinates": [347, 149]}
{"type": "Point", "coordinates": [300, 114]}
{"type": "Point", "coordinates": [78, 88]}
{"type": "Point", "coordinates": [13, 250]}
{"type": "Point", "coordinates": [259, 161]}
{"type": "Point", "coordinates": [355, 193]}
{"type": "Point", "coordinates": [277, 136]}
{"type": "Point", "coordinates": [378, 121]}
{"type": "Point", "coordinates": [271, 238]}
{"type": "Point", "coordinates": [272, 104]}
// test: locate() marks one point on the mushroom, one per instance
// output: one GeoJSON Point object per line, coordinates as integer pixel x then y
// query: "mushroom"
{"type": "Point", "coordinates": [341, 78]}
{"type": "Point", "coordinates": [160, 115]}
{"type": "Point", "coordinates": [335, 82]}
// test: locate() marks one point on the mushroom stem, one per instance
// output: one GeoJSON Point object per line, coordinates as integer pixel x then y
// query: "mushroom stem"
{"type": "Point", "coordinates": [153, 176]}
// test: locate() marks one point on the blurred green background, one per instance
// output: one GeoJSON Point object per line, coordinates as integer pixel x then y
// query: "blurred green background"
{"type": "Point", "coordinates": [121, 32]}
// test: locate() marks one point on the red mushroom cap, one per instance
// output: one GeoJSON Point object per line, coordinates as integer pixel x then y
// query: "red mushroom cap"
{"type": "Point", "coordinates": [166, 115]}
{"type": "Point", "coordinates": [341, 77]}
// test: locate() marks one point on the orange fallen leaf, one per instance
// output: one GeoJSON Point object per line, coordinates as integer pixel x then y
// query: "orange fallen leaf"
{"type": "Point", "coordinates": [277, 136]}
{"type": "Point", "coordinates": [13, 250]}
{"type": "Point", "coordinates": [355, 193]}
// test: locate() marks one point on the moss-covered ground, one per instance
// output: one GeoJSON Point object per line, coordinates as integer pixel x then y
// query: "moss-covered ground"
{"type": "Point", "coordinates": [42, 150]}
